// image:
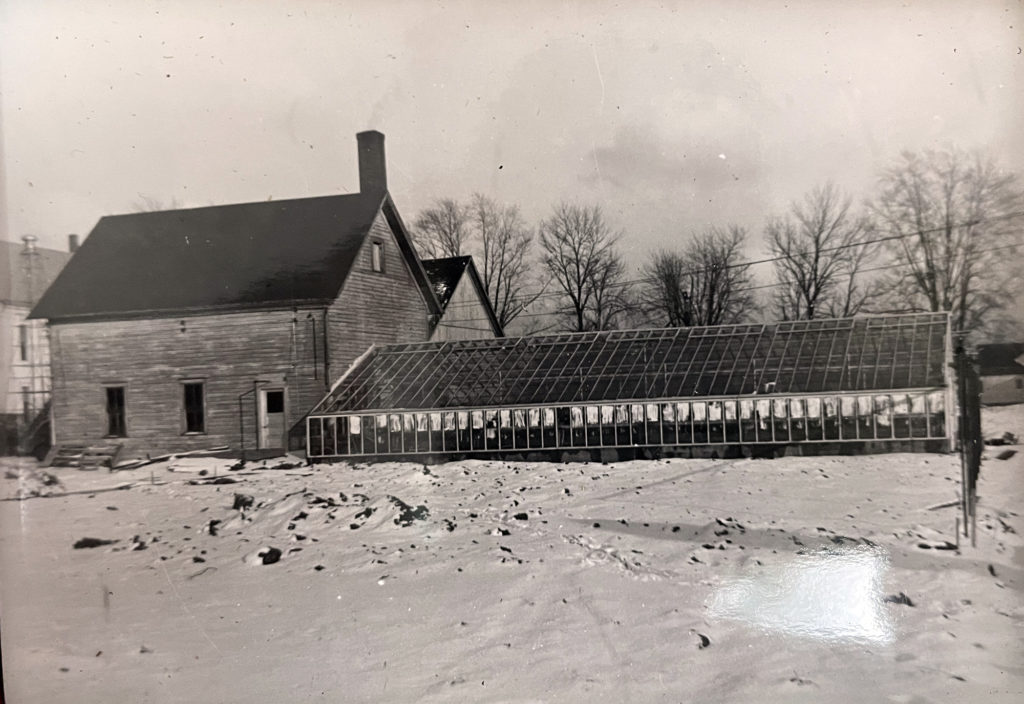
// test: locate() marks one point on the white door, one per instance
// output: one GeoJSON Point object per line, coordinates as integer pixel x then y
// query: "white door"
{"type": "Point", "coordinates": [272, 425]}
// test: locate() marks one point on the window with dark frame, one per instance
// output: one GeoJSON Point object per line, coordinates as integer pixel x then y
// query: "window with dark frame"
{"type": "Point", "coordinates": [116, 425]}
{"type": "Point", "coordinates": [377, 256]}
{"type": "Point", "coordinates": [23, 342]}
{"type": "Point", "coordinates": [195, 410]}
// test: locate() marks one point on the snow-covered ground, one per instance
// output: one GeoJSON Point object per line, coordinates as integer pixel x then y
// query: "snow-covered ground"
{"type": "Point", "coordinates": [798, 579]}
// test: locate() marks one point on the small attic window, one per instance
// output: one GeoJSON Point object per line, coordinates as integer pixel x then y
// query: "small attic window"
{"type": "Point", "coordinates": [377, 255]}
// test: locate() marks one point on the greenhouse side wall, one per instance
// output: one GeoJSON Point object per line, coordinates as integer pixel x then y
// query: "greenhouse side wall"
{"type": "Point", "coordinates": [877, 421]}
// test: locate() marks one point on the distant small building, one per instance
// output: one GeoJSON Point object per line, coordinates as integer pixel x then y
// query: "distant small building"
{"type": "Point", "coordinates": [26, 270]}
{"type": "Point", "coordinates": [1001, 367]}
{"type": "Point", "coordinates": [467, 314]}
{"type": "Point", "coordinates": [224, 325]}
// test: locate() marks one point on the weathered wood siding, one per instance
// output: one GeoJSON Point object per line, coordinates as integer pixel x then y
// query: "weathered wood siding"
{"type": "Point", "coordinates": [1002, 389]}
{"type": "Point", "coordinates": [375, 308]}
{"type": "Point", "coordinates": [465, 318]}
{"type": "Point", "coordinates": [229, 352]}
{"type": "Point", "coordinates": [152, 358]}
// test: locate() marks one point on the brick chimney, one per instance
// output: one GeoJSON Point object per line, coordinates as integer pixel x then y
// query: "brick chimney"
{"type": "Point", "coordinates": [72, 243]}
{"type": "Point", "coordinates": [373, 176]}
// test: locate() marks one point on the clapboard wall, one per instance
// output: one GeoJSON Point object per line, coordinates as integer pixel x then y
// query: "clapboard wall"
{"type": "Point", "coordinates": [375, 307]}
{"type": "Point", "coordinates": [152, 359]}
{"type": "Point", "coordinates": [300, 349]}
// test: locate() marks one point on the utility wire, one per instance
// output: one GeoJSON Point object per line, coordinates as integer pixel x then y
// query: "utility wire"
{"type": "Point", "coordinates": [769, 260]}
{"type": "Point", "coordinates": [759, 286]}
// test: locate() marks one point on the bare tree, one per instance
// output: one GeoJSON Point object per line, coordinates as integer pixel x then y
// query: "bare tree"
{"type": "Point", "coordinates": [705, 284]}
{"type": "Point", "coordinates": [612, 300]}
{"type": "Point", "coordinates": [956, 217]}
{"type": "Point", "coordinates": [856, 290]}
{"type": "Point", "coordinates": [441, 230]}
{"type": "Point", "coordinates": [150, 204]}
{"type": "Point", "coordinates": [667, 290]}
{"type": "Point", "coordinates": [579, 251]}
{"type": "Point", "coordinates": [505, 241]}
{"type": "Point", "coordinates": [822, 248]}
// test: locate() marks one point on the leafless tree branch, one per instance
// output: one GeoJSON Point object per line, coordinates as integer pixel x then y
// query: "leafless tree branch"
{"type": "Point", "coordinates": [704, 284]}
{"type": "Point", "coordinates": [505, 242]}
{"type": "Point", "coordinates": [441, 230]}
{"type": "Point", "coordinates": [951, 209]}
{"type": "Point", "coordinates": [580, 256]}
{"type": "Point", "coordinates": [822, 248]}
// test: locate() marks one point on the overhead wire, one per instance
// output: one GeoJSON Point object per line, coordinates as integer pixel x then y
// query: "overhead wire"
{"type": "Point", "coordinates": [760, 286]}
{"type": "Point", "coordinates": [754, 288]}
{"type": "Point", "coordinates": [769, 260]}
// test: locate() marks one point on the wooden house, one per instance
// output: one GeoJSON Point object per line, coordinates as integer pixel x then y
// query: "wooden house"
{"type": "Point", "coordinates": [1001, 367]}
{"type": "Point", "coordinates": [224, 325]}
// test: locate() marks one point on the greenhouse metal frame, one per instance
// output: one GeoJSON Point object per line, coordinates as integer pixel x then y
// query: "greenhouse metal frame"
{"type": "Point", "coordinates": [847, 380]}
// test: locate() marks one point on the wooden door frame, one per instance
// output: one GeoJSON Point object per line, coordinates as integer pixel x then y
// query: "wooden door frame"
{"type": "Point", "coordinates": [262, 440]}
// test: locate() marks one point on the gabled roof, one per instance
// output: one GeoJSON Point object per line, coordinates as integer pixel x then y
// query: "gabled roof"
{"type": "Point", "coordinates": [241, 256]}
{"type": "Point", "coordinates": [24, 277]}
{"type": "Point", "coordinates": [445, 275]}
{"type": "Point", "coordinates": [1001, 359]}
{"type": "Point", "coordinates": [846, 355]}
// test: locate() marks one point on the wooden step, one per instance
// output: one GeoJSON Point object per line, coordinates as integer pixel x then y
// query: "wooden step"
{"type": "Point", "coordinates": [86, 457]}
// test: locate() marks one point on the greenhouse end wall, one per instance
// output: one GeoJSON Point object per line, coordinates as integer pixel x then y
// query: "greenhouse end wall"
{"type": "Point", "coordinates": [866, 421]}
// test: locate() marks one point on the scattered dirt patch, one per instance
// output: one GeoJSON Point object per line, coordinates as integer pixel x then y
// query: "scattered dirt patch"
{"type": "Point", "coordinates": [91, 543]}
{"type": "Point", "coordinates": [407, 514]}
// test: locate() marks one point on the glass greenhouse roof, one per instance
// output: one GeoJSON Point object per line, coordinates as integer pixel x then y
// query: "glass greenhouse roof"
{"type": "Point", "coordinates": [816, 356]}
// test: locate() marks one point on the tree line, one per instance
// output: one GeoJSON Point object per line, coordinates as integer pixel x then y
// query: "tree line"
{"type": "Point", "coordinates": [941, 233]}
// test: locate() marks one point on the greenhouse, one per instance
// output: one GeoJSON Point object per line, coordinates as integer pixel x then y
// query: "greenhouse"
{"type": "Point", "coordinates": [863, 380]}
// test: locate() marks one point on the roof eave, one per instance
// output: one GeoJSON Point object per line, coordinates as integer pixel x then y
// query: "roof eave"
{"type": "Point", "coordinates": [1002, 371]}
{"type": "Point", "coordinates": [106, 316]}
{"type": "Point", "coordinates": [409, 252]}
{"type": "Point", "coordinates": [478, 282]}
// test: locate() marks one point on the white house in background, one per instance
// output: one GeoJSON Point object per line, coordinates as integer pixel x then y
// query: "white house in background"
{"type": "Point", "coordinates": [26, 270]}
{"type": "Point", "coordinates": [1002, 373]}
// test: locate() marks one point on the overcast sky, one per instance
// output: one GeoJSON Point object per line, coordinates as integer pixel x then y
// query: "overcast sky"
{"type": "Point", "coordinates": [671, 116]}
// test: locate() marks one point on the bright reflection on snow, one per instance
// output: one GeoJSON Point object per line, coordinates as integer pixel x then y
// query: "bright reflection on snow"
{"type": "Point", "coordinates": [835, 594]}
